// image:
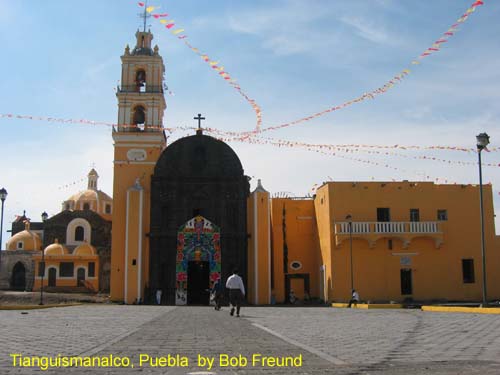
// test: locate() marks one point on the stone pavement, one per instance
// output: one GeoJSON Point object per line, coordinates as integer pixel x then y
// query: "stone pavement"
{"type": "Point", "coordinates": [330, 341]}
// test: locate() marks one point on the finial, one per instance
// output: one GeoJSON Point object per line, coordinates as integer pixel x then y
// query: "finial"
{"type": "Point", "coordinates": [199, 118]}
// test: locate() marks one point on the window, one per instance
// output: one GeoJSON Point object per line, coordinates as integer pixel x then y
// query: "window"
{"type": "Point", "coordinates": [79, 233]}
{"type": "Point", "coordinates": [442, 215]}
{"type": "Point", "coordinates": [383, 214]}
{"type": "Point", "coordinates": [468, 271]}
{"type": "Point", "coordinates": [66, 269]}
{"type": "Point", "coordinates": [91, 269]}
{"type": "Point", "coordinates": [108, 209]}
{"type": "Point", "coordinates": [86, 206]}
{"type": "Point", "coordinates": [139, 117]}
{"type": "Point", "coordinates": [389, 244]}
{"type": "Point", "coordinates": [20, 245]}
{"type": "Point", "coordinates": [414, 214]}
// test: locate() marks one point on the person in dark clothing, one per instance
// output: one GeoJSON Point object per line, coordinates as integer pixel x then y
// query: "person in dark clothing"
{"type": "Point", "coordinates": [218, 293]}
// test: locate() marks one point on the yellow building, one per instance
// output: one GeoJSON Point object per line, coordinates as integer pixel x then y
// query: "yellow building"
{"type": "Point", "coordinates": [184, 216]}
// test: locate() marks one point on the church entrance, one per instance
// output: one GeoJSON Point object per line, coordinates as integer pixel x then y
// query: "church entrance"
{"type": "Point", "coordinates": [198, 263]}
{"type": "Point", "coordinates": [18, 277]}
{"type": "Point", "coordinates": [198, 292]}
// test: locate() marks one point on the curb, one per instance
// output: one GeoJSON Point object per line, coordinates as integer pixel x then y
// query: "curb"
{"type": "Point", "coordinates": [36, 307]}
{"type": "Point", "coordinates": [460, 309]}
{"type": "Point", "coordinates": [370, 305]}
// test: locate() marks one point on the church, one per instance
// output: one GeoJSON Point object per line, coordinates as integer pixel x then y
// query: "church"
{"type": "Point", "coordinates": [184, 216]}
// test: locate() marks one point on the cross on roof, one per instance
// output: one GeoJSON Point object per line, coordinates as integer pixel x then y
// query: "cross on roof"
{"type": "Point", "coordinates": [199, 118]}
{"type": "Point", "coordinates": [145, 15]}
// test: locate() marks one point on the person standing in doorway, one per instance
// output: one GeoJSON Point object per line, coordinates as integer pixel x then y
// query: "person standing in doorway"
{"type": "Point", "coordinates": [354, 299]}
{"type": "Point", "coordinates": [236, 292]}
{"type": "Point", "coordinates": [158, 296]}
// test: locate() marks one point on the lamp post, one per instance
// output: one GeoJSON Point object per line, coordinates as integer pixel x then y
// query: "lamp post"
{"type": "Point", "coordinates": [483, 140]}
{"type": "Point", "coordinates": [349, 220]}
{"type": "Point", "coordinates": [45, 215]}
{"type": "Point", "coordinates": [3, 196]}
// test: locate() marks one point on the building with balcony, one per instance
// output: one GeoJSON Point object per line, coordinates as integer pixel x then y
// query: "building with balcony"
{"type": "Point", "coordinates": [410, 241]}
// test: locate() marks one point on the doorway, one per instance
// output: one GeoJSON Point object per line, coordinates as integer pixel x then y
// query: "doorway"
{"type": "Point", "coordinates": [18, 281]}
{"type": "Point", "coordinates": [52, 277]}
{"type": "Point", "coordinates": [80, 276]}
{"type": "Point", "coordinates": [198, 287]}
{"type": "Point", "coordinates": [406, 284]}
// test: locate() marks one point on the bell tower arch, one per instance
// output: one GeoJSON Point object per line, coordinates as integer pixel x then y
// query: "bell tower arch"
{"type": "Point", "coordinates": [138, 142]}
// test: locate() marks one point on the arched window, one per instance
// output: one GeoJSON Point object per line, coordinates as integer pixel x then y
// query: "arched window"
{"type": "Point", "coordinates": [108, 209]}
{"type": "Point", "coordinates": [67, 206]}
{"type": "Point", "coordinates": [79, 233]}
{"type": "Point", "coordinates": [86, 206]}
{"type": "Point", "coordinates": [140, 80]}
{"type": "Point", "coordinates": [139, 118]}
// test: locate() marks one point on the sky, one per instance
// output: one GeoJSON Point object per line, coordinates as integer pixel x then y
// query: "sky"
{"type": "Point", "coordinates": [61, 59]}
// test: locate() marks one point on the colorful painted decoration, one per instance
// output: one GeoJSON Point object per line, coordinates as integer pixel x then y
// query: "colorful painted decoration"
{"type": "Point", "coordinates": [197, 241]}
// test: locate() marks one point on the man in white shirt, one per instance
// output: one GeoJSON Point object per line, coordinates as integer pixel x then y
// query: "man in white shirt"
{"type": "Point", "coordinates": [236, 292]}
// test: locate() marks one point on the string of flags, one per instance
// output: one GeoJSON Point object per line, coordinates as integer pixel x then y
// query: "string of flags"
{"type": "Point", "coordinates": [71, 184]}
{"type": "Point", "coordinates": [214, 64]}
{"type": "Point", "coordinates": [398, 78]}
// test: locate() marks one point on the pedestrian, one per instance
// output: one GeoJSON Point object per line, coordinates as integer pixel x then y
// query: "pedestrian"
{"type": "Point", "coordinates": [218, 293]}
{"type": "Point", "coordinates": [354, 299]}
{"type": "Point", "coordinates": [292, 297]}
{"type": "Point", "coordinates": [236, 292]}
{"type": "Point", "coordinates": [158, 296]}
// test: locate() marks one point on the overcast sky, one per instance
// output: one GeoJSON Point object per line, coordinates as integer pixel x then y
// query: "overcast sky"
{"type": "Point", "coordinates": [293, 57]}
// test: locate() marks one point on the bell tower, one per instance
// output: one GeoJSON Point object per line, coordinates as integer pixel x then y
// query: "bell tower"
{"type": "Point", "coordinates": [138, 142]}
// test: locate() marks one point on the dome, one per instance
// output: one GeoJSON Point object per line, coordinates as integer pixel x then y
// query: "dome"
{"type": "Point", "coordinates": [84, 249]}
{"type": "Point", "coordinates": [55, 249]}
{"type": "Point", "coordinates": [90, 199]}
{"type": "Point", "coordinates": [25, 240]}
{"type": "Point", "coordinates": [198, 155]}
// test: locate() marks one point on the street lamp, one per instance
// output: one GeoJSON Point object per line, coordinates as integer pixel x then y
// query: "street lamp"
{"type": "Point", "coordinates": [45, 216]}
{"type": "Point", "coordinates": [3, 196]}
{"type": "Point", "coordinates": [42, 267]}
{"type": "Point", "coordinates": [349, 220]}
{"type": "Point", "coordinates": [483, 140]}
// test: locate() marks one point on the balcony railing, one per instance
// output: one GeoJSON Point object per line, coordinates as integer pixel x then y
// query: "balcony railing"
{"type": "Point", "coordinates": [403, 230]}
{"type": "Point", "coordinates": [388, 227]}
{"type": "Point", "coordinates": [147, 89]}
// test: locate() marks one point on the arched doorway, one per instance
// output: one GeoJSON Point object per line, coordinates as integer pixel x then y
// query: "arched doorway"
{"type": "Point", "coordinates": [198, 263]}
{"type": "Point", "coordinates": [52, 276]}
{"type": "Point", "coordinates": [18, 281]}
{"type": "Point", "coordinates": [80, 276]}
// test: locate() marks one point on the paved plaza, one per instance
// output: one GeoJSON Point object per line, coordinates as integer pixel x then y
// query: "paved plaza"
{"type": "Point", "coordinates": [307, 340]}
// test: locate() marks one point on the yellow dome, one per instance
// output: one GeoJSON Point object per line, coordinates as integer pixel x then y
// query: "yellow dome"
{"type": "Point", "coordinates": [25, 240]}
{"type": "Point", "coordinates": [56, 249]}
{"type": "Point", "coordinates": [84, 249]}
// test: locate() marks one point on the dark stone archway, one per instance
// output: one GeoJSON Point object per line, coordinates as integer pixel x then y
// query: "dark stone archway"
{"type": "Point", "coordinates": [18, 279]}
{"type": "Point", "coordinates": [197, 175]}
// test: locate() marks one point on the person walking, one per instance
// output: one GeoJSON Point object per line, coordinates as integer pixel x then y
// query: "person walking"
{"type": "Point", "coordinates": [218, 293]}
{"type": "Point", "coordinates": [236, 292]}
{"type": "Point", "coordinates": [354, 298]}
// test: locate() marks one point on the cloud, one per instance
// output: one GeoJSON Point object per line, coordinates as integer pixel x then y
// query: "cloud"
{"type": "Point", "coordinates": [367, 29]}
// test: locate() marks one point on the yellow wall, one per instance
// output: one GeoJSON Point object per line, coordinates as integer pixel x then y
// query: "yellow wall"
{"type": "Point", "coordinates": [78, 261]}
{"type": "Point", "coordinates": [302, 243]}
{"type": "Point", "coordinates": [259, 252]}
{"type": "Point", "coordinates": [436, 272]}
{"type": "Point", "coordinates": [125, 174]}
